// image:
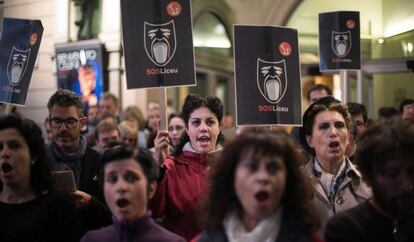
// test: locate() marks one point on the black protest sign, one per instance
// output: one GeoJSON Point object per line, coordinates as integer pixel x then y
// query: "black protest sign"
{"type": "Point", "coordinates": [19, 45]}
{"type": "Point", "coordinates": [267, 73]}
{"type": "Point", "coordinates": [158, 43]}
{"type": "Point", "coordinates": [339, 41]}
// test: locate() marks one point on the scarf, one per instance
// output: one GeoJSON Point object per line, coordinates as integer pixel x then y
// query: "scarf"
{"type": "Point", "coordinates": [70, 161]}
{"type": "Point", "coordinates": [187, 147]}
{"type": "Point", "coordinates": [266, 230]}
{"type": "Point", "coordinates": [330, 183]}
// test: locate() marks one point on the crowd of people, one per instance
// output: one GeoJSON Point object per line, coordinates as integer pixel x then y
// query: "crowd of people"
{"type": "Point", "coordinates": [339, 177]}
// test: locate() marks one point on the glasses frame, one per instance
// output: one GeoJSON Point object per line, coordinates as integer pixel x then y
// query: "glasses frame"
{"type": "Point", "coordinates": [57, 122]}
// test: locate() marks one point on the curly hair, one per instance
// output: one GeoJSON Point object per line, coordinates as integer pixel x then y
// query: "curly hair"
{"type": "Point", "coordinates": [193, 102]}
{"type": "Point", "coordinates": [311, 115]}
{"type": "Point", "coordinates": [221, 196]}
{"type": "Point", "coordinates": [384, 141]}
{"type": "Point", "coordinates": [41, 171]}
{"type": "Point", "coordinates": [66, 98]}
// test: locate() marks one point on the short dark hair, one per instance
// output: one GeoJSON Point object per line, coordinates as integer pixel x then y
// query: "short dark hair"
{"type": "Point", "coordinates": [385, 141]}
{"type": "Point", "coordinates": [41, 171]}
{"type": "Point", "coordinates": [221, 196]}
{"type": "Point", "coordinates": [387, 112]}
{"type": "Point", "coordinates": [175, 115]}
{"type": "Point", "coordinates": [108, 95]}
{"type": "Point", "coordinates": [143, 157]}
{"type": "Point", "coordinates": [193, 102]}
{"type": "Point", "coordinates": [103, 127]}
{"type": "Point", "coordinates": [405, 102]}
{"type": "Point", "coordinates": [319, 87]}
{"type": "Point", "coordinates": [356, 109]}
{"type": "Point", "coordinates": [66, 98]}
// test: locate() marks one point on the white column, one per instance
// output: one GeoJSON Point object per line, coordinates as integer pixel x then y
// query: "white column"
{"type": "Point", "coordinates": [110, 36]}
{"type": "Point", "coordinates": [359, 86]}
{"type": "Point", "coordinates": [61, 23]}
{"type": "Point", "coordinates": [344, 86]}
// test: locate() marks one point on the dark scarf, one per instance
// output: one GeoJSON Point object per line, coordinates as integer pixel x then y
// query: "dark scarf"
{"type": "Point", "coordinates": [70, 161]}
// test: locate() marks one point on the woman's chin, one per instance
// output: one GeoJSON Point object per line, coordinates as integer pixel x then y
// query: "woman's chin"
{"type": "Point", "coordinates": [204, 148]}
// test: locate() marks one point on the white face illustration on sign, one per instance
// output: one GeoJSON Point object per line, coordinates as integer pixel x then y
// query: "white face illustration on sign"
{"type": "Point", "coordinates": [160, 42]}
{"type": "Point", "coordinates": [271, 79]}
{"type": "Point", "coordinates": [341, 43]}
{"type": "Point", "coordinates": [17, 65]}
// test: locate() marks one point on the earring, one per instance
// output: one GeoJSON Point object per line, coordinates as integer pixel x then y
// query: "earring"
{"type": "Point", "coordinates": [33, 162]}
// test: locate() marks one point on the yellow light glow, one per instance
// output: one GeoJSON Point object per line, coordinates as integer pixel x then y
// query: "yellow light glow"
{"type": "Point", "coordinates": [409, 47]}
{"type": "Point", "coordinates": [337, 86]}
{"type": "Point", "coordinates": [212, 42]}
{"type": "Point", "coordinates": [398, 28]}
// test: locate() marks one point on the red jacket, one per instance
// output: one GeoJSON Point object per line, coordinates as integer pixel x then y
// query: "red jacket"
{"type": "Point", "coordinates": [179, 192]}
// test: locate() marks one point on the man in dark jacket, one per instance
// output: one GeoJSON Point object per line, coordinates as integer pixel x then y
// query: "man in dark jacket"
{"type": "Point", "coordinates": [385, 159]}
{"type": "Point", "coordinates": [69, 151]}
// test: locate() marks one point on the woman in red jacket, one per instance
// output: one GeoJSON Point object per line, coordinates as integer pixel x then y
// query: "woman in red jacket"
{"type": "Point", "coordinates": [182, 179]}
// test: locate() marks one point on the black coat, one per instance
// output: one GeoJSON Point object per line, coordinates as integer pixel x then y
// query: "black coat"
{"type": "Point", "coordinates": [96, 214]}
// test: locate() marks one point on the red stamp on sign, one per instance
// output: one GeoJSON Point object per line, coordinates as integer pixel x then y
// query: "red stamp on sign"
{"type": "Point", "coordinates": [285, 49]}
{"type": "Point", "coordinates": [350, 24]}
{"type": "Point", "coordinates": [33, 39]}
{"type": "Point", "coordinates": [174, 8]}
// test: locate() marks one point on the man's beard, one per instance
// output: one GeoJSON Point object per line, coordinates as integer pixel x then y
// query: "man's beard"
{"type": "Point", "coordinates": [398, 207]}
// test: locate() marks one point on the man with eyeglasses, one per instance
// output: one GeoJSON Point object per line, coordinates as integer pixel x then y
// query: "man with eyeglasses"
{"type": "Point", "coordinates": [69, 151]}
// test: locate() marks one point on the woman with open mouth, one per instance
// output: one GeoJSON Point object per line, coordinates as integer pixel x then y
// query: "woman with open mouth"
{"type": "Point", "coordinates": [29, 210]}
{"type": "Point", "coordinates": [182, 180]}
{"type": "Point", "coordinates": [129, 181]}
{"type": "Point", "coordinates": [325, 135]}
{"type": "Point", "coordinates": [258, 193]}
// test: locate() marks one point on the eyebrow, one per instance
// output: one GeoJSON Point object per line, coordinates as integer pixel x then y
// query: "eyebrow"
{"type": "Point", "coordinates": [12, 140]}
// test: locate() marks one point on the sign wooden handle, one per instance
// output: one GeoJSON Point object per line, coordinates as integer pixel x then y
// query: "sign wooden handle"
{"type": "Point", "coordinates": [162, 94]}
{"type": "Point", "coordinates": [7, 109]}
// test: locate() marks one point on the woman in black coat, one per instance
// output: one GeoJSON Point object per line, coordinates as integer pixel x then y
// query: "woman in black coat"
{"type": "Point", "coordinates": [257, 193]}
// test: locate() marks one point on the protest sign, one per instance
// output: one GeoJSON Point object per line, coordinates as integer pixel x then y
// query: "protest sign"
{"type": "Point", "coordinates": [158, 43]}
{"type": "Point", "coordinates": [339, 41]}
{"type": "Point", "coordinates": [267, 72]}
{"type": "Point", "coordinates": [19, 45]}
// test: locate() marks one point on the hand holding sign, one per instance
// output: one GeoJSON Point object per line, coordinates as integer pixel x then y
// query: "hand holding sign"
{"type": "Point", "coordinates": [64, 181]}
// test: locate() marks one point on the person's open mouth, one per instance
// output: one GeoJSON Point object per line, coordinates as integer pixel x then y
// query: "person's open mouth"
{"type": "Point", "coordinates": [122, 203]}
{"type": "Point", "coordinates": [6, 167]}
{"type": "Point", "coordinates": [204, 140]}
{"type": "Point", "coordinates": [334, 144]}
{"type": "Point", "coordinates": [262, 197]}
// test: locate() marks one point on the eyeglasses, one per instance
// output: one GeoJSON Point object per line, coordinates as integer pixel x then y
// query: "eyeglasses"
{"type": "Point", "coordinates": [70, 123]}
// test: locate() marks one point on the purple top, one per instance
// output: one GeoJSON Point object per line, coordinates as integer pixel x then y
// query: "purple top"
{"type": "Point", "coordinates": [142, 229]}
